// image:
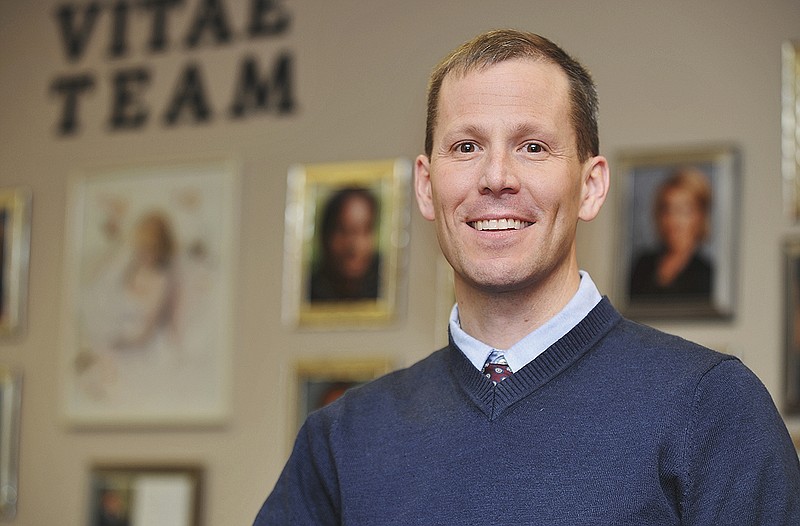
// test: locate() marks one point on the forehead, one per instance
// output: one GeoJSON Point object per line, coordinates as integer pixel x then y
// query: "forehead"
{"type": "Point", "coordinates": [525, 87]}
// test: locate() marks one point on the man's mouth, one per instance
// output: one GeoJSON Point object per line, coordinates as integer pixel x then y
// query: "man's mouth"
{"type": "Point", "coordinates": [499, 224]}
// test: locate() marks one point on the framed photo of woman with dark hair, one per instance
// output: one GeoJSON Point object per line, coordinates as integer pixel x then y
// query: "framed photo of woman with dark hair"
{"type": "Point", "coordinates": [346, 224]}
{"type": "Point", "coordinates": [678, 233]}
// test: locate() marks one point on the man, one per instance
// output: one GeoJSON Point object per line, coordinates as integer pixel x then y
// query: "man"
{"type": "Point", "coordinates": [602, 421]}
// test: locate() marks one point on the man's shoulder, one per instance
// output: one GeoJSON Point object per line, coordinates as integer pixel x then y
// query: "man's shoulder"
{"type": "Point", "coordinates": [432, 366]}
{"type": "Point", "coordinates": [648, 347]}
{"type": "Point", "coordinates": [399, 392]}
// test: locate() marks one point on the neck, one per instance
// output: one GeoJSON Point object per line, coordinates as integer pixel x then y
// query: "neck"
{"type": "Point", "coordinates": [501, 319]}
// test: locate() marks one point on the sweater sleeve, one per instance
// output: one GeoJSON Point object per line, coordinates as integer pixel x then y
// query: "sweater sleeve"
{"type": "Point", "coordinates": [306, 493]}
{"type": "Point", "coordinates": [741, 466]}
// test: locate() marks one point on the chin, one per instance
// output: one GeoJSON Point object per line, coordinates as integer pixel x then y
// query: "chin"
{"type": "Point", "coordinates": [499, 282]}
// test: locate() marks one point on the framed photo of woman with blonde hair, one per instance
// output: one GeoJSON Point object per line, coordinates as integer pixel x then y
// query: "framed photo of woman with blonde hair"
{"type": "Point", "coordinates": [678, 233]}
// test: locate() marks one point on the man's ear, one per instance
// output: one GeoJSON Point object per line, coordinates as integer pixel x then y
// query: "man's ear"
{"type": "Point", "coordinates": [595, 187]}
{"type": "Point", "coordinates": [422, 187]}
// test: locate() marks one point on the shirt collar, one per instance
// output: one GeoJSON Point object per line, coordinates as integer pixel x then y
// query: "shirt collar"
{"type": "Point", "coordinates": [536, 342]}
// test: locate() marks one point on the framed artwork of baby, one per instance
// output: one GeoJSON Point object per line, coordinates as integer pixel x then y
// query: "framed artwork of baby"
{"type": "Point", "coordinates": [149, 266]}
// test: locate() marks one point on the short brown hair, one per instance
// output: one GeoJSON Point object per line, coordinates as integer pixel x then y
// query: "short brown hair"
{"type": "Point", "coordinates": [498, 46]}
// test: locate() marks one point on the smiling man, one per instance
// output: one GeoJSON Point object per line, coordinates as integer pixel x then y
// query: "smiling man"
{"type": "Point", "coordinates": [506, 183]}
{"type": "Point", "coordinates": [547, 407]}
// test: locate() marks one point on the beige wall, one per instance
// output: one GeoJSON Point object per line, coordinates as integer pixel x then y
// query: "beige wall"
{"type": "Point", "coordinates": [669, 74]}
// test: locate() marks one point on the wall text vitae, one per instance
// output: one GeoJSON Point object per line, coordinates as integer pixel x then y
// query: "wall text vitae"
{"type": "Point", "coordinates": [262, 86]}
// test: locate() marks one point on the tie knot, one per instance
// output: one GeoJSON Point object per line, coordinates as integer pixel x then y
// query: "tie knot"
{"type": "Point", "coordinates": [496, 357]}
{"type": "Point", "coordinates": [496, 368]}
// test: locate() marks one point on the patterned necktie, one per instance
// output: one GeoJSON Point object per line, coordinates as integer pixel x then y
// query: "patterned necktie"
{"type": "Point", "coordinates": [496, 368]}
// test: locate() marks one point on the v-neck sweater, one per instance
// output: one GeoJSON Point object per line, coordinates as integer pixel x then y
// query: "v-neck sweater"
{"type": "Point", "coordinates": [493, 400]}
{"type": "Point", "coordinates": [616, 423]}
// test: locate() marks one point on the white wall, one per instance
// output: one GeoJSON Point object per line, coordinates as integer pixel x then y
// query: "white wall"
{"type": "Point", "coordinates": [669, 74]}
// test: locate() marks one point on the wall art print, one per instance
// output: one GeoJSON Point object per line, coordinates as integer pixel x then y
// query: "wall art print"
{"type": "Point", "coordinates": [148, 317]}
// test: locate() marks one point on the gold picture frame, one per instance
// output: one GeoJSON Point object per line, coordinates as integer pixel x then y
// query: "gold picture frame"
{"type": "Point", "coordinates": [346, 230]}
{"type": "Point", "coordinates": [15, 231]}
{"type": "Point", "coordinates": [790, 119]}
{"type": "Point", "coordinates": [146, 494]}
{"type": "Point", "coordinates": [678, 232]}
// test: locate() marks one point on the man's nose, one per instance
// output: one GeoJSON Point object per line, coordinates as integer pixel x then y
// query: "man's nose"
{"type": "Point", "coordinates": [498, 175]}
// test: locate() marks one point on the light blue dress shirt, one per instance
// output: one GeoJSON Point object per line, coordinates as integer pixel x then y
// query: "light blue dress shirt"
{"type": "Point", "coordinates": [535, 343]}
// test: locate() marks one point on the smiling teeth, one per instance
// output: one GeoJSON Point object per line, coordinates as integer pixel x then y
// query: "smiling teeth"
{"type": "Point", "coordinates": [500, 224]}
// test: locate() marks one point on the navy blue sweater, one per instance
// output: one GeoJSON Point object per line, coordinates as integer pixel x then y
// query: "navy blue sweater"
{"type": "Point", "coordinates": [615, 424]}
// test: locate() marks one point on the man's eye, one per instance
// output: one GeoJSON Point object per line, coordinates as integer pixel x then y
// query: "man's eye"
{"type": "Point", "coordinates": [533, 147]}
{"type": "Point", "coordinates": [467, 147]}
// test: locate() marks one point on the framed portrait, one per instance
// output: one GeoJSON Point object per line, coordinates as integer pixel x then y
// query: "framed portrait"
{"type": "Point", "coordinates": [145, 495]}
{"type": "Point", "coordinates": [791, 126]}
{"type": "Point", "coordinates": [148, 316]}
{"type": "Point", "coordinates": [679, 231]}
{"type": "Point", "coordinates": [15, 229]}
{"type": "Point", "coordinates": [346, 229]}
{"type": "Point", "coordinates": [791, 256]}
{"type": "Point", "coordinates": [10, 402]}
{"type": "Point", "coordinates": [320, 382]}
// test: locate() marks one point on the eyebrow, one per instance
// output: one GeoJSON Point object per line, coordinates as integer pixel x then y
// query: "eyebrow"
{"type": "Point", "coordinates": [520, 129]}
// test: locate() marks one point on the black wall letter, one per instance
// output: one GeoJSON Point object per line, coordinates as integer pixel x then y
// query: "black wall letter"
{"type": "Point", "coordinates": [158, 33]}
{"type": "Point", "coordinates": [74, 35]}
{"type": "Point", "coordinates": [119, 30]}
{"type": "Point", "coordinates": [189, 95]}
{"type": "Point", "coordinates": [71, 88]}
{"type": "Point", "coordinates": [210, 15]}
{"type": "Point", "coordinates": [253, 94]}
{"type": "Point", "coordinates": [268, 18]}
{"type": "Point", "coordinates": [127, 111]}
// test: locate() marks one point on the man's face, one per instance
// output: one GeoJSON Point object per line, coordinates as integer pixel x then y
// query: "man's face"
{"type": "Point", "coordinates": [504, 182]}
